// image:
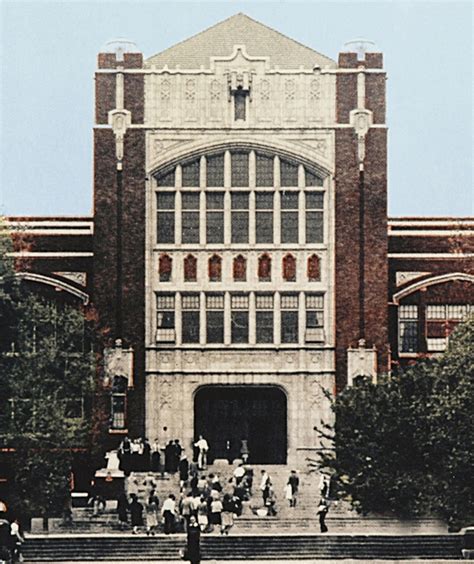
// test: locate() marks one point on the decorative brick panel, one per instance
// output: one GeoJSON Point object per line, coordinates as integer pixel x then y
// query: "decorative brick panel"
{"type": "Point", "coordinates": [375, 96]}
{"type": "Point", "coordinates": [346, 96]}
{"type": "Point", "coordinates": [104, 96]}
{"type": "Point", "coordinates": [134, 96]}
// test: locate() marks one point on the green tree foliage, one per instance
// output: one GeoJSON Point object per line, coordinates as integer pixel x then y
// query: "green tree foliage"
{"type": "Point", "coordinates": [47, 375]}
{"type": "Point", "coordinates": [406, 444]}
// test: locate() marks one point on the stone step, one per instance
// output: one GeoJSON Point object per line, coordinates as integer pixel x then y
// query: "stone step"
{"type": "Point", "coordinates": [128, 547]}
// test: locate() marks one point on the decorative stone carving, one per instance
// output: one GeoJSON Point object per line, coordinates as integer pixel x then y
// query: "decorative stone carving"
{"type": "Point", "coordinates": [361, 121]}
{"type": "Point", "coordinates": [77, 277]}
{"type": "Point", "coordinates": [404, 277]}
{"type": "Point", "coordinates": [316, 393]}
{"type": "Point", "coordinates": [361, 362]}
{"type": "Point", "coordinates": [315, 90]}
{"type": "Point", "coordinates": [215, 92]}
{"type": "Point", "coordinates": [165, 392]}
{"type": "Point", "coordinates": [118, 362]}
{"type": "Point", "coordinates": [165, 99]}
{"type": "Point", "coordinates": [290, 90]}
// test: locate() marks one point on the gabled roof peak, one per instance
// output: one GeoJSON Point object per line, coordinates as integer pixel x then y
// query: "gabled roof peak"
{"type": "Point", "coordinates": [239, 29]}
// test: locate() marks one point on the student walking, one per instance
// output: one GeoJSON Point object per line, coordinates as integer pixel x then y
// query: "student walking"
{"type": "Point", "coordinates": [322, 512]}
{"type": "Point", "coordinates": [193, 544]}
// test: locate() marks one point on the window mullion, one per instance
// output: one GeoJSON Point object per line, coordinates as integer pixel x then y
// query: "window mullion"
{"type": "Point", "coordinates": [252, 319]}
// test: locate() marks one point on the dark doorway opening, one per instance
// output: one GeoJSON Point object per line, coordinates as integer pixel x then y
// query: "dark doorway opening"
{"type": "Point", "coordinates": [227, 414]}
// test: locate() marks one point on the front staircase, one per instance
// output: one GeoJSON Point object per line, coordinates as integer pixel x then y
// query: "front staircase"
{"type": "Point", "coordinates": [247, 547]}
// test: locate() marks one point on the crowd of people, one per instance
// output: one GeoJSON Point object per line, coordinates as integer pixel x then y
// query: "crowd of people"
{"type": "Point", "coordinates": [11, 538]}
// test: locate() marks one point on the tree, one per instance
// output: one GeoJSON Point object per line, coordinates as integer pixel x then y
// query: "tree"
{"type": "Point", "coordinates": [406, 444]}
{"type": "Point", "coordinates": [47, 378]}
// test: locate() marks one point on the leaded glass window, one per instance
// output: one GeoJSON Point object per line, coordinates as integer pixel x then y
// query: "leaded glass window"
{"type": "Point", "coordinates": [240, 217]}
{"type": "Point", "coordinates": [288, 174]}
{"type": "Point", "coordinates": [240, 169]}
{"type": "Point", "coordinates": [312, 179]}
{"type": "Point", "coordinates": [215, 318]}
{"type": "Point", "coordinates": [314, 318]}
{"type": "Point", "coordinates": [289, 217]}
{"type": "Point", "coordinates": [289, 318]}
{"type": "Point", "coordinates": [239, 318]}
{"type": "Point", "coordinates": [408, 328]}
{"type": "Point", "coordinates": [190, 217]}
{"type": "Point", "coordinates": [264, 317]}
{"type": "Point", "coordinates": [165, 217]}
{"type": "Point", "coordinates": [215, 217]}
{"type": "Point", "coordinates": [314, 217]}
{"type": "Point", "coordinates": [165, 317]}
{"type": "Point", "coordinates": [264, 217]}
{"type": "Point", "coordinates": [190, 173]}
{"type": "Point", "coordinates": [215, 170]}
{"type": "Point", "coordinates": [166, 178]}
{"type": "Point", "coordinates": [264, 170]}
{"type": "Point", "coordinates": [190, 305]}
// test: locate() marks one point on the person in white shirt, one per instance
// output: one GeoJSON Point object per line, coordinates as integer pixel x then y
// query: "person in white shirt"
{"type": "Point", "coordinates": [169, 511]}
{"type": "Point", "coordinates": [203, 447]}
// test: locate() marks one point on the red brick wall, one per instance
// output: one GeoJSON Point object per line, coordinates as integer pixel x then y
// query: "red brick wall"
{"type": "Point", "coordinates": [346, 96]}
{"type": "Point", "coordinates": [105, 96]}
{"type": "Point", "coordinates": [375, 96]}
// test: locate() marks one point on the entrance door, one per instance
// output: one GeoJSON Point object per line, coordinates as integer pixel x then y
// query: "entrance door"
{"type": "Point", "coordinates": [233, 413]}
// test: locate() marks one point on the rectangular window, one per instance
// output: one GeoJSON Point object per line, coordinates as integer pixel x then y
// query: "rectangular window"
{"type": "Point", "coordinates": [314, 217]}
{"type": "Point", "coordinates": [118, 411]}
{"type": "Point", "coordinates": [239, 318]}
{"type": "Point", "coordinates": [289, 217]}
{"type": "Point", "coordinates": [215, 171]}
{"type": "Point", "coordinates": [441, 320]}
{"type": "Point", "coordinates": [264, 317]}
{"type": "Point", "coordinates": [215, 217]}
{"type": "Point", "coordinates": [408, 328]}
{"type": "Point", "coordinates": [165, 217]}
{"type": "Point", "coordinates": [289, 318]}
{"type": "Point", "coordinates": [240, 169]}
{"type": "Point", "coordinates": [190, 174]}
{"type": "Point", "coordinates": [165, 326]}
{"type": "Point", "coordinates": [190, 217]}
{"type": "Point", "coordinates": [264, 170]}
{"type": "Point", "coordinates": [264, 217]}
{"type": "Point", "coordinates": [314, 318]}
{"type": "Point", "coordinates": [240, 217]}
{"type": "Point", "coordinates": [190, 306]}
{"type": "Point", "coordinates": [215, 318]}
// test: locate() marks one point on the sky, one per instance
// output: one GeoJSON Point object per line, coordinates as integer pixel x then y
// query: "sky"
{"type": "Point", "coordinates": [48, 52]}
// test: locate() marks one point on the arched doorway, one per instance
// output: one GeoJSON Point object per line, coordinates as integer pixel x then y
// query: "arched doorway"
{"type": "Point", "coordinates": [232, 413]}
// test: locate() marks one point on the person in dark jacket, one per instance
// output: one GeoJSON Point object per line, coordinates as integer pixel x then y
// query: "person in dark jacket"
{"type": "Point", "coordinates": [322, 512]}
{"type": "Point", "coordinates": [122, 509]}
{"type": "Point", "coordinates": [169, 454]}
{"type": "Point", "coordinates": [193, 546]}
{"type": "Point", "coordinates": [136, 514]}
{"type": "Point", "coordinates": [183, 468]}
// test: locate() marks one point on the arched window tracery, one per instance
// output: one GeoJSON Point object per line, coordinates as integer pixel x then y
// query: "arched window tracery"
{"type": "Point", "coordinates": [289, 268]}
{"type": "Point", "coordinates": [239, 268]}
{"type": "Point", "coordinates": [264, 268]}
{"type": "Point", "coordinates": [314, 268]}
{"type": "Point", "coordinates": [190, 268]}
{"type": "Point", "coordinates": [215, 268]}
{"type": "Point", "coordinates": [165, 265]}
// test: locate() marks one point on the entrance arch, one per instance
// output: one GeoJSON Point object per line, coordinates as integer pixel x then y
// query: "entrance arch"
{"type": "Point", "coordinates": [232, 413]}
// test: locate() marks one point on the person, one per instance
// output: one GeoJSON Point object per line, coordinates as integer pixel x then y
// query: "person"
{"type": "Point", "coordinates": [136, 454]}
{"type": "Point", "coordinates": [176, 455]}
{"type": "Point", "coordinates": [96, 500]}
{"type": "Point", "coordinates": [122, 509]}
{"type": "Point", "coordinates": [244, 450]}
{"type": "Point", "coordinates": [216, 513]}
{"type": "Point", "coordinates": [324, 486]}
{"type": "Point", "coordinates": [239, 474]}
{"type": "Point", "coordinates": [169, 450]}
{"type": "Point", "coordinates": [133, 487]}
{"type": "Point", "coordinates": [228, 451]}
{"type": "Point", "coordinates": [265, 480]}
{"type": "Point", "coordinates": [16, 540]}
{"type": "Point", "coordinates": [293, 482]}
{"type": "Point", "coordinates": [145, 455]}
{"type": "Point", "coordinates": [124, 454]}
{"type": "Point", "coordinates": [193, 544]}
{"type": "Point", "coordinates": [186, 509]}
{"type": "Point", "coordinates": [202, 514]}
{"type": "Point", "coordinates": [136, 514]}
{"type": "Point", "coordinates": [183, 468]}
{"type": "Point", "coordinates": [203, 448]}
{"type": "Point", "coordinates": [168, 512]}
{"type": "Point", "coordinates": [149, 483]}
{"type": "Point", "coordinates": [152, 506]}
{"type": "Point", "coordinates": [228, 510]}
{"type": "Point", "coordinates": [155, 456]}
{"type": "Point", "coordinates": [322, 512]}
{"type": "Point", "coordinates": [270, 500]}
